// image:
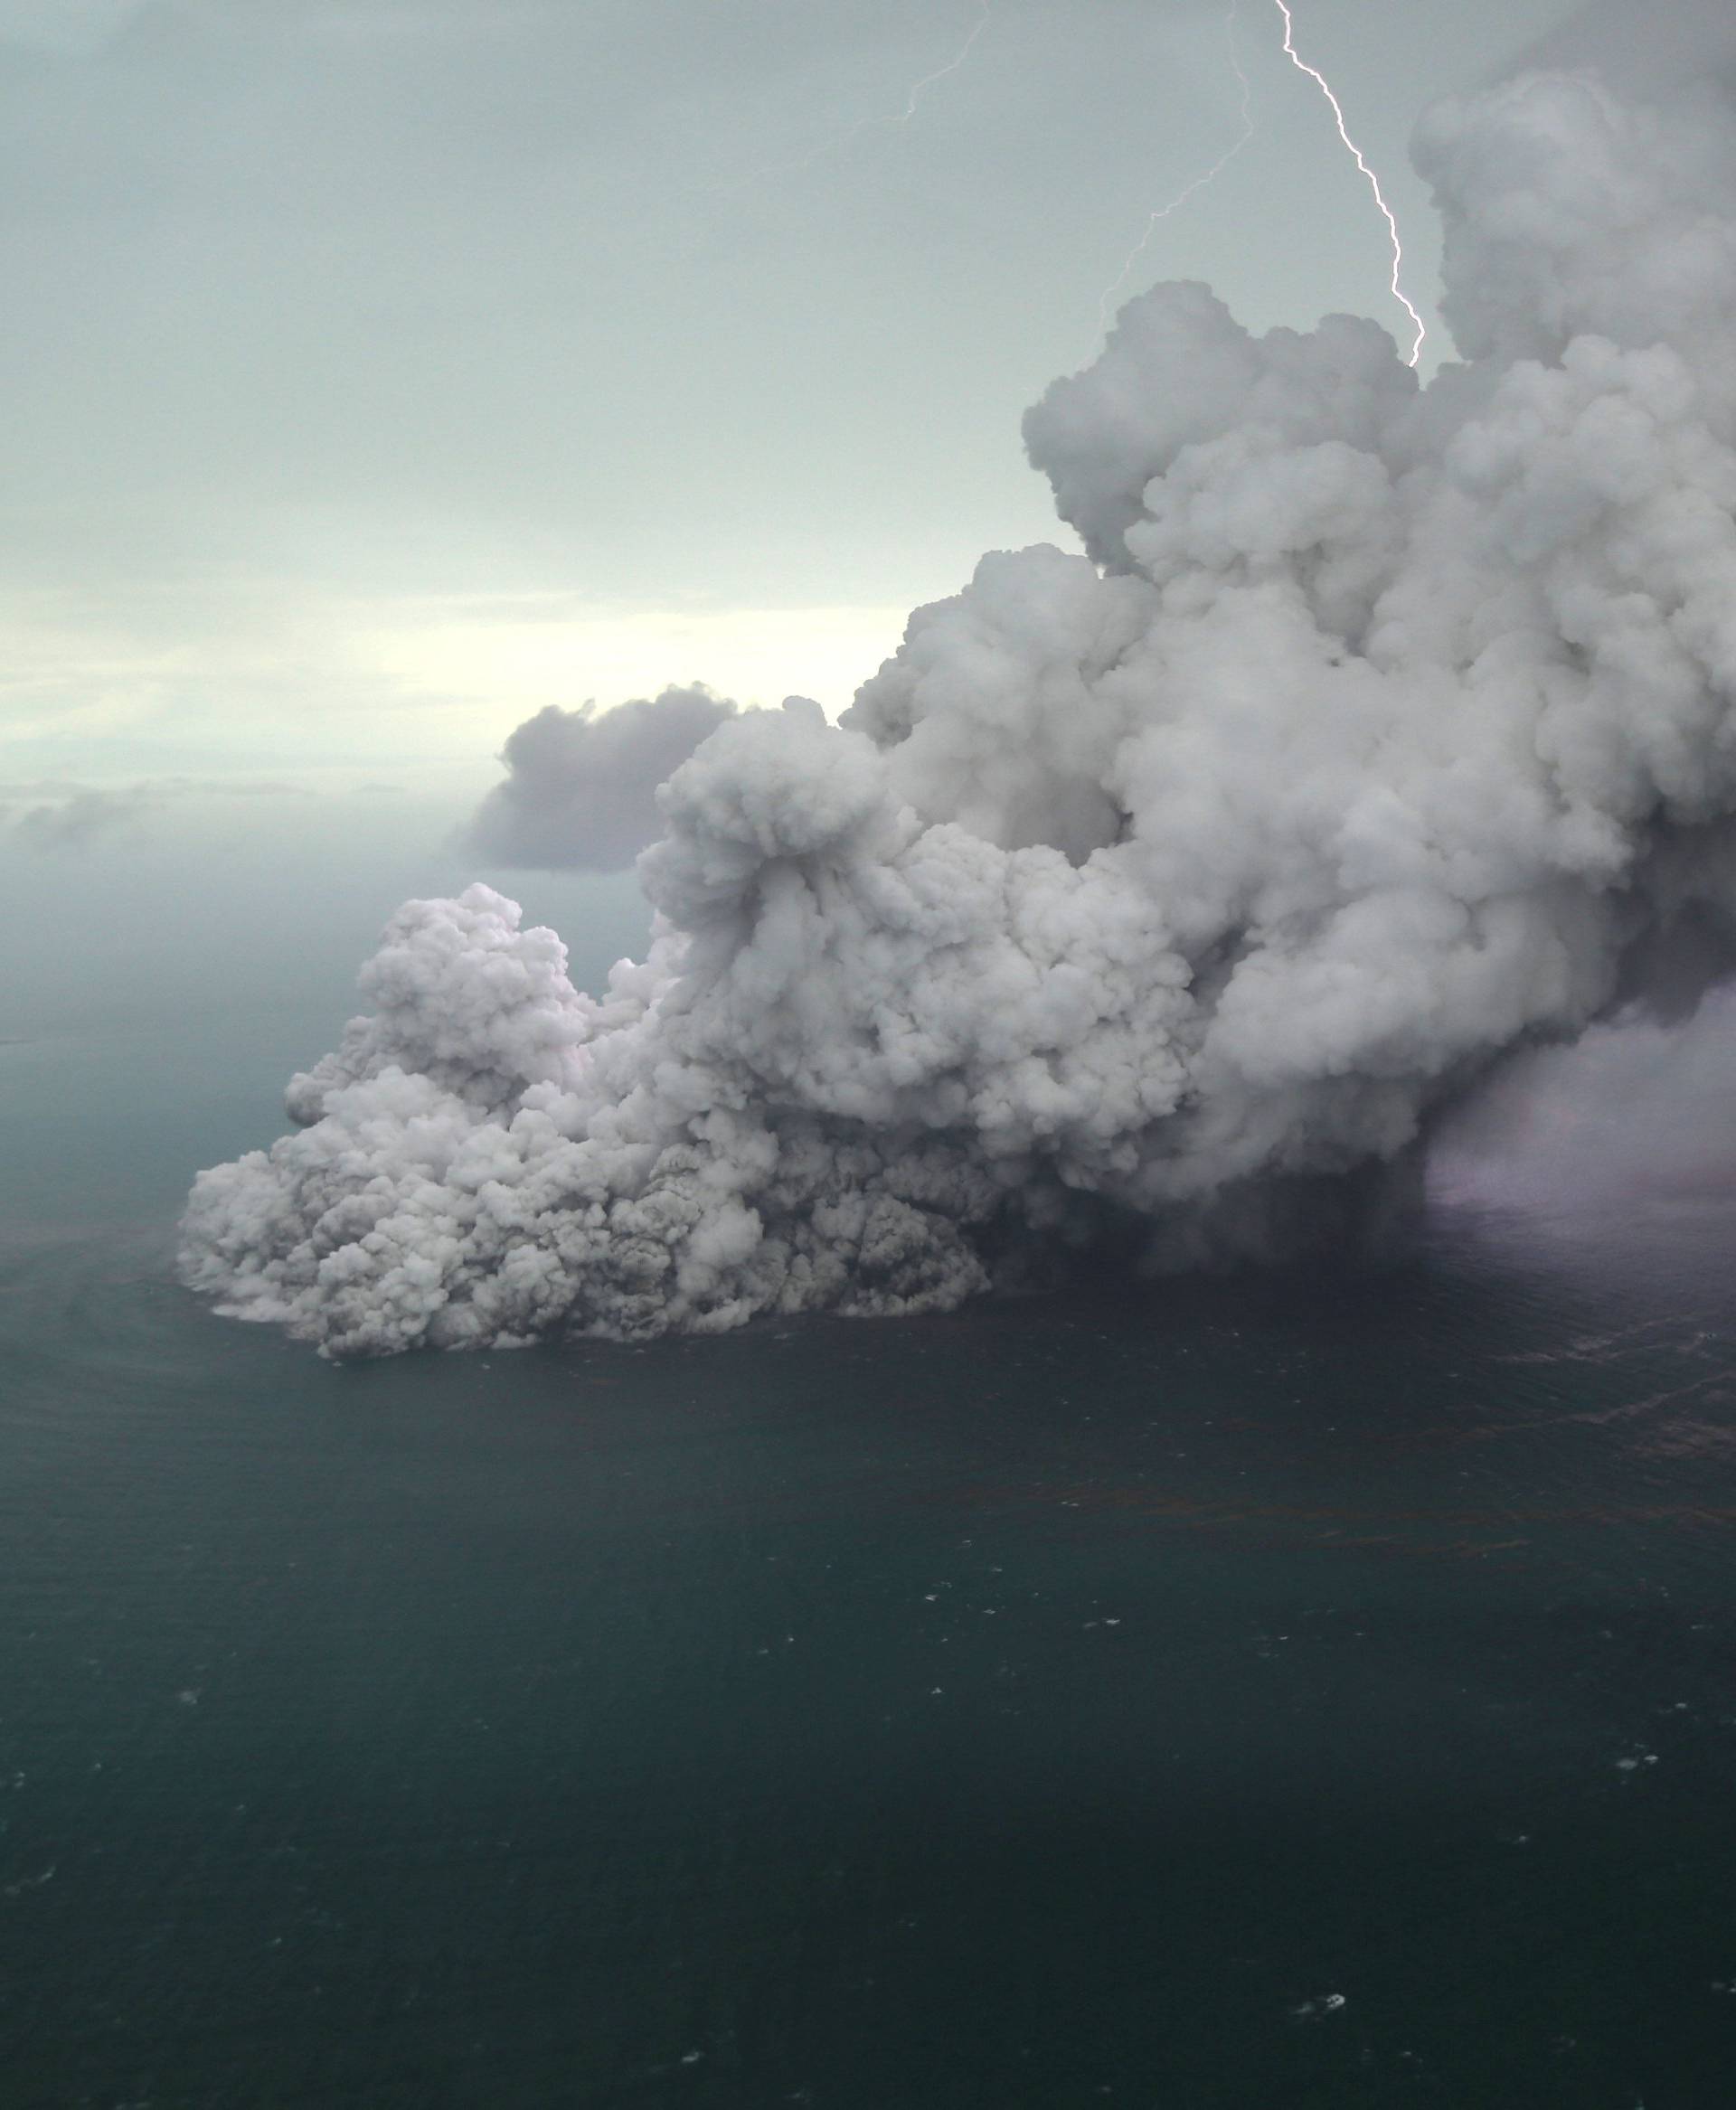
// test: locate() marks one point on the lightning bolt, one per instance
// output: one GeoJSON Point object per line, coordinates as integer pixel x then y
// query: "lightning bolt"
{"type": "Point", "coordinates": [1302, 66]}
{"type": "Point", "coordinates": [863, 125]}
{"type": "Point", "coordinates": [940, 72]}
{"type": "Point", "coordinates": [1199, 183]}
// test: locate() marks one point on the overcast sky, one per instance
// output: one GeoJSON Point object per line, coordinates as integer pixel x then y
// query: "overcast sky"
{"type": "Point", "coordinates": [381, 370]}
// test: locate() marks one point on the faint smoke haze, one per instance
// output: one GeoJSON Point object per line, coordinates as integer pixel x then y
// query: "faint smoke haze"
{"type": "Point", "coordinates": [1637, 1115]}
{"type": "Point", "coordinates": [1640, 49]}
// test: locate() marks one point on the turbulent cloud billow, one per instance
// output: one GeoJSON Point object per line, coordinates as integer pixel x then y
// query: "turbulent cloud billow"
{"type": "Point", "coordinates": [1378, 727]}
{"type": "Point", "coordinates": [580, 791]}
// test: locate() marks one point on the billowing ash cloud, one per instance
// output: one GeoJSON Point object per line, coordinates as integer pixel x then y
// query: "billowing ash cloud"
{"type": "Point", "coordinates": [580, 790]}
{"type": "Point", "coordinates": [1378, 729]}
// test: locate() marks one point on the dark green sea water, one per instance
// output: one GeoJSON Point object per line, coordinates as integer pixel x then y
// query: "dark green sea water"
{"type": "Point", "coordinates": [1299, 1693]}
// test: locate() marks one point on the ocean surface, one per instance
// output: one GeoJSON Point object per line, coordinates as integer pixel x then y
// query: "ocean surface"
{"type": "Point", "coordinates": [1305, 1691]}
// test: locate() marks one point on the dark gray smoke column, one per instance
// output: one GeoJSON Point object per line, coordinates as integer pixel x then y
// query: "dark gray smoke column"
{"type": "Point", "coordinates": [1380, 727]}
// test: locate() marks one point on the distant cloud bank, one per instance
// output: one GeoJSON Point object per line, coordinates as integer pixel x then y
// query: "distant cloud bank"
{"type": "Point", "coordinates": [53, 814]}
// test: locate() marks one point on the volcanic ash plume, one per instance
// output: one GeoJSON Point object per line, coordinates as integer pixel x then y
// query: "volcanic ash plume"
{"type": "Point", "coordinates": [1376, 730]}
{"type": "Point", "coordinates": [581, 791]}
